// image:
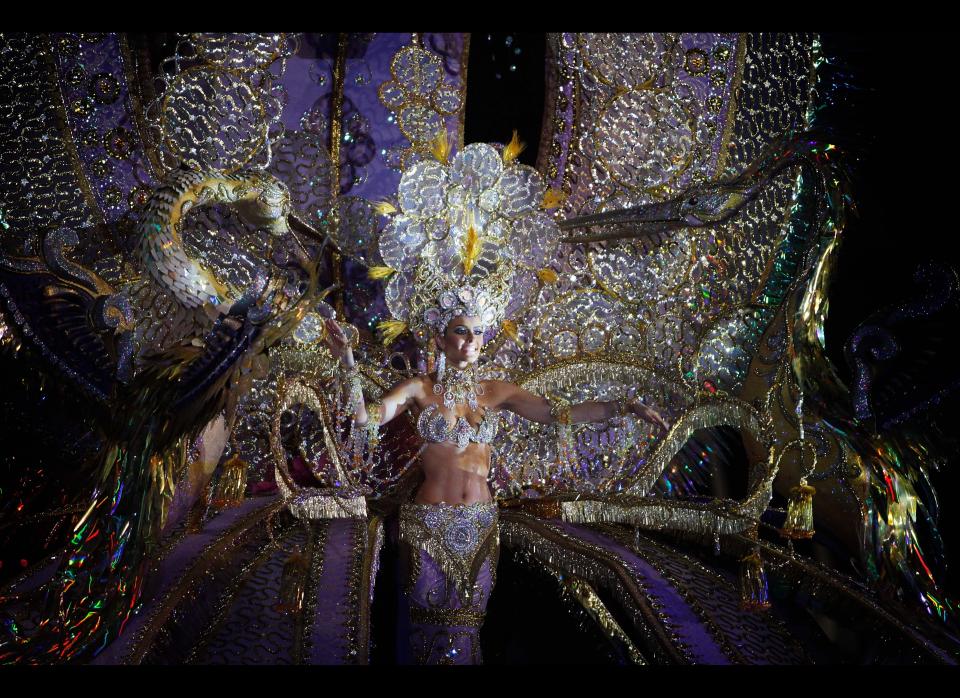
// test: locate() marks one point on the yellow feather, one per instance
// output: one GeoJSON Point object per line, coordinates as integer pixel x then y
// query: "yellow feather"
{"type": "Point", "coordinates": [471, 250]}
{"type": "Point", "coordinates": [440, 147]}
{"type": "Point", "coordinates": [510, 329]}
{"type": "Point", "coordinates": [513, 149]}
{"type": "Point", "coordinates": [380, 272]}
{"type": "Point", "coordinates": [385, 208]}
{"type": "Point", "coordinates": [547, 276]}
{"type": "Point", "coordinates": [552, 198]}
{"type": "Point", "coordinates": [390, 329]}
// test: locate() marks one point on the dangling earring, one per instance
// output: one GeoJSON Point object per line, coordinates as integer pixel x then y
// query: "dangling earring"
{"type": "Point", "coordinates": [441, 366]}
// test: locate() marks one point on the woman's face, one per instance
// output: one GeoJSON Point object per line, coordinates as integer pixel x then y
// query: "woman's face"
{"type": "Point", "coordinates": [462, 340]}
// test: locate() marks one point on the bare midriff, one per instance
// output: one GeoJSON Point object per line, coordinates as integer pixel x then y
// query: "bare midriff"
{"type": "Point", "coordinates": [454, 475]}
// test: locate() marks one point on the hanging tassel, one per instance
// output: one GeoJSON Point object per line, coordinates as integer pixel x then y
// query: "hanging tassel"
{"type": "Point", "coordinates": [385, 208]}
{"type": "Point", "coordinates": [799, 522]}
{"type": "Point", "coordinates": [293, 583]}
{"type": "Point", "coordinates": [547, 276]}
{"type": "Point", "coordinates": [440, 147]}
{"type": "Point", "coordinates": [754, 590]}
{"type": "Point", "coordinates": [552, 198]}
{"type": "Point", "coordinates": [509, 328]}
{"type": "Point", "coordinates": [376, 273]}
{"type": "Point", "coordinates": [513, 149]}
{"type": "Point", "coordinates": [232, 484]}
{"type": "Point", "coordinates": [390, 329]}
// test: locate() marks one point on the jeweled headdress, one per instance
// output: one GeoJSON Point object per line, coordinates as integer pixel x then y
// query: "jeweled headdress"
{"type": "Point", "coordinates": [463, 231]}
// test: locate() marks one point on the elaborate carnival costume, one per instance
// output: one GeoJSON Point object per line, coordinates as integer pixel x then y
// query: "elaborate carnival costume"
{"type": "Point", "coordinates": [168, 226]}
{"type": "Point", "coordinates": [464, 230]}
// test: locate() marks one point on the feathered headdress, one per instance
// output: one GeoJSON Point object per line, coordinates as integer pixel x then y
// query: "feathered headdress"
{"type": "Point", "coordinates": [461, 234]}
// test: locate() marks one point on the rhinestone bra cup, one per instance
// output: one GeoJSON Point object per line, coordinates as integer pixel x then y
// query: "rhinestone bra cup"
{"type": "Point", "coordinates": [433, 426]}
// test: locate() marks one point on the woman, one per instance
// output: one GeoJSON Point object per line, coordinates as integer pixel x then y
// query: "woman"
{"type": "Point", "coordinates": [449, 531]}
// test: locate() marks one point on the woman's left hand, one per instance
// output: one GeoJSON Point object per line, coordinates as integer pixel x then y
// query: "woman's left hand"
{"type": "Point", "coordinates": [648, 414]}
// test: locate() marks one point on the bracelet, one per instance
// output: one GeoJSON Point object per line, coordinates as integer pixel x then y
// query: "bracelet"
{"type": "Point", "coordinates": [560, 411]}
{"type": "Point", "coordinates": [374, 413]}
{"type": "Point", "coordinates": [351, 378]}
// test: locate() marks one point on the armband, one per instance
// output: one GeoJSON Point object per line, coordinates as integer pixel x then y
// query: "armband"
{"type": "Point", "coordinates": [354, 388]}
{"type": "Point", "coordinates": [560, 411]}
{"type": "Point", "coordinates": [374, 413]}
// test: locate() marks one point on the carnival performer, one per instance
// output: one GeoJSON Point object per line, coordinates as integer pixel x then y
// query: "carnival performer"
{"type": "Point", "coordinates": [457, 251]}
{"type": "Point", "coordinates": [451, 525]}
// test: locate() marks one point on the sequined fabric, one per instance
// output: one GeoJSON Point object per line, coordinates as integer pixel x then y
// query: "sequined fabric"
{"type": "Point", "coordinates": [433, 426]}
{"type": "Point", "coordinates": [448, 566]}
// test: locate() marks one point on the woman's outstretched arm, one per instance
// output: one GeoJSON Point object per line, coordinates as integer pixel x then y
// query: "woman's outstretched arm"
{"type": "Point", "coordinates": [395, 402]}
{"type": "Point", "coordinates": [537, 409]}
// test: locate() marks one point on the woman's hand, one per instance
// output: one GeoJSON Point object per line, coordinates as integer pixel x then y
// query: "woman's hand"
{"type": "Point", "coordinates": [648, 414]}
{"type": "Point", "coordinates": [337, 342]}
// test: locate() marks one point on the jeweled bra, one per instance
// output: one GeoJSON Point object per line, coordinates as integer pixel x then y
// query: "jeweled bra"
{"type": "Point", "coordinates": [433, 426]}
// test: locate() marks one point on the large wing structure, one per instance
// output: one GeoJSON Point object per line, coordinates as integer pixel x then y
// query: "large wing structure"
{"type": "Point", "coordinates": [702, 208]}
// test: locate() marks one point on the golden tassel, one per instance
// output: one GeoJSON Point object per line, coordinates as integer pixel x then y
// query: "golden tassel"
{"type": "Point", "coordinates": [799, 522]}
{"type": "Point", "coordinates": [513, 149]}
{"type": "Point", "coordinates": [232, 484]}
{"type": "Point", "coordinates": [293, 583]}
{"type": "Point", "coordinates": [385, 208]}
{"type": "Point", "coordinates": [376, 273]}
{"type": "Point", "coordinates": [552, 198]}
{"type": "Point", "coordinates": [440, 147]}
{"type": "Point", "coordinates": [509, 328]}
{"type": "Point", "coordinates": [471, 249]}
{"type": "Point", "coordinates": [754, 590]}
{"type": "Point", "coordinates": [390, 329]}
{"type": "Point", "coordinates": [547, 276]}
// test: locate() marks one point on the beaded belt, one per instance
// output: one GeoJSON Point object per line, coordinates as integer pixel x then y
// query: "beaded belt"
{"type": "Point", "coordinates": [454, 535]}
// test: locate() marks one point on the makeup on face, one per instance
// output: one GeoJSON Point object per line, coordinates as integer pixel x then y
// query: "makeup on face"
{"type": "Point", "coordinates": [464, 335]}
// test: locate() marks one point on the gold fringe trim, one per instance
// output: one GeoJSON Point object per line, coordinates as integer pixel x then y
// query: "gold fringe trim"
{"type": "Point", "coordinates": [461, 571]}
{"type": "Point", "coordinates": [706, 519]}
{"type": "Point", "coordinates": [321, 504]}
{"type": "Point", "coordinates": [699, 518]}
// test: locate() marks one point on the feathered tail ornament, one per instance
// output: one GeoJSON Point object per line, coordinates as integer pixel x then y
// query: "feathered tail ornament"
{"type": "Point", "coordinates": [902, 548]}
{"type": "Point", "coordinates": [99, 584]}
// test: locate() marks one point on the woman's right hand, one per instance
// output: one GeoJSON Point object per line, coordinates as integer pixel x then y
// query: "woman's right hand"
{"type": "Point", "coordinates": [337, 342]}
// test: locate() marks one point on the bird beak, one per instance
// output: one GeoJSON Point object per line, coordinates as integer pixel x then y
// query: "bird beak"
{"type": "Point", "coordinates": [657, 216]}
